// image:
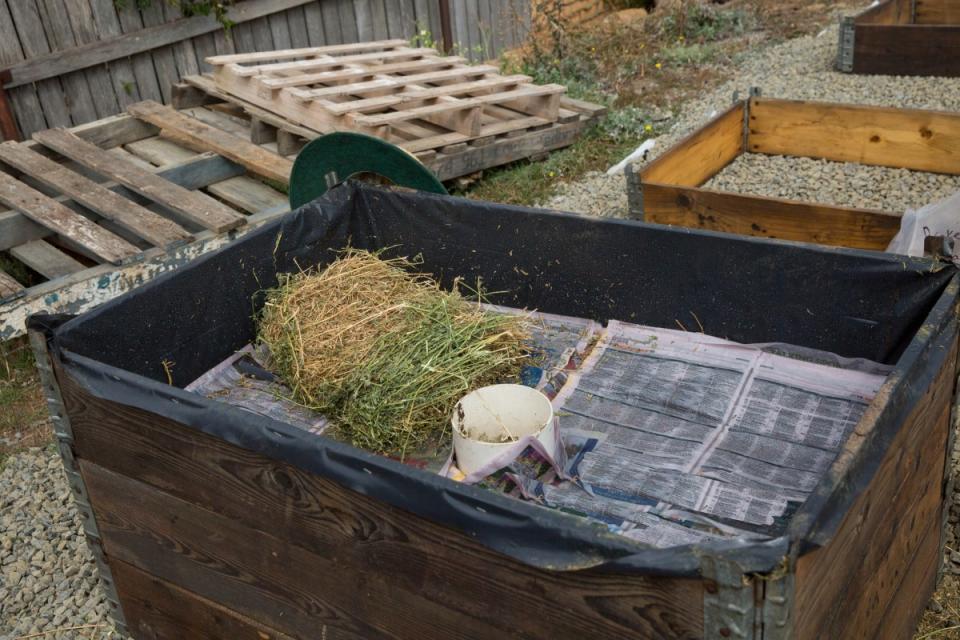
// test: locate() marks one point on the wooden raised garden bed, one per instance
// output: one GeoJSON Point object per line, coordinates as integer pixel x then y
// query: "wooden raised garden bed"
{"type": "Point", "coordinates": [902, 38]}
{"type": "Point", "coordinates": [209, 521]}
{"type": "Point", "coordinates": [669, 189]}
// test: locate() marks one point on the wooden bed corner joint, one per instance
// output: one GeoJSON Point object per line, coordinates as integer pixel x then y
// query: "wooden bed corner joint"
{"type": "Point", "coordinates": [744, 606]}
{"type": "Point", "coordinates": [64, 436]}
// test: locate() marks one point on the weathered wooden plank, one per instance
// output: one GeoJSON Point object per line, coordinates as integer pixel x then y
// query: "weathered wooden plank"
{"type": "Point", "coordinates": [905, 138]}
{"type": "Point", "coordinates": [249, 194]}
{"type": "Point", "coordinates": [81, 20]}
{"type": "Point", "coordinates": [163, 59]}
{"type": "Point", "coordinates": [848, 587]}
{"type": "Point", "coordinates": [184, 614]}
{"type": "Point", "coordinates": [106, 26]}
{"type": "Point", "coordinates": [909, 50]}
{"type": "Point", "coordinates": [297, 24]}
{"type": "Point", "coordinates": [157, 34]}
{"type": "Point", "coordinates": [280, 31]}
{"type": "Point", "coordinates": [702, 154]}
{"type": "Point", "coordinates": [142, 493]}
{"type": "Point", "coordinates": [26, 105]}
{"type": "Point", "coordinates": [85, 290]}
{"type": "Point", "coordinates": [9, 287]}
{"type": "Point", "coordinates": [46, 259]}
{"type": "Point", "coordinates": [184, 54]}
{"type": "Point", "coordinates": [189, 204]}
{"type": "Point", "coordinates": [55, 216]}
{"type": "Point", "coordinates": [139, 221]}
{"type": "Point", "coordinates": [379, 18]}
{"type": "Point", "coordinates": [203, 137]}
{"type": "Point", "coordinates": [32, 38]}
{"type": "Point", "coordinates": [131, 24]}
{"type": "Point", "coordinates": [199, 172]}
{"type": "Point", "coordinates": [503, 150]}
{"type": "Point", "coordinates": [160, 152]}
{"type": "Point", "coordinates": [349, 24]}
{"type": "Point", "coordinates": [768, 217]}
{"type": "Point", "coordinates": [75, 85]}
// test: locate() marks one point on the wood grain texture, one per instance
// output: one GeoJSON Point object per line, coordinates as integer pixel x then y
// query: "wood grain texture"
{"type": "Point", "coordinates": [202, 137]}
{"type": "Point", "coordinates": [768, 217]}
{"type": "Point", "coordinates": [167, 498]}
{"type": "Point", "coordinates": [701, 155]}
{"type": "Point", "coordinates": [906, 138]}
{"type": "Point", "coordinates": [876, 574]}
{"type": "Point", "coordinates": [158, 610]}
{"type": "Point", "coordinates": [938, 12]}
{"type": "Point", "coordinates": [137, 220]}
{"type": "Point", "coordinates": [63, 221]}
{"type": "Point", "coordinates": [46, 259]}
{"type": "Point", "coordinates": [8, 285]}
{"type": "Point", "coordinates": [193, 205]}
{"type": "Point", "coordinates": [907, 50]}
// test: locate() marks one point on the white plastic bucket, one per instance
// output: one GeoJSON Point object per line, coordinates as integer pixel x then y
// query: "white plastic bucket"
{"type": "Point", "coordinates": [489, 421]}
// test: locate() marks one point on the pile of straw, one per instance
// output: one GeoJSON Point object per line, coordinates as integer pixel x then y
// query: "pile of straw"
{"type": "Point", "coordinates": [384, 352]}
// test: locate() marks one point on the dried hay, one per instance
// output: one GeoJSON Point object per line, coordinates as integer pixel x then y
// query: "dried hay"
{"type": "Point", "coordinates": [385, 352]}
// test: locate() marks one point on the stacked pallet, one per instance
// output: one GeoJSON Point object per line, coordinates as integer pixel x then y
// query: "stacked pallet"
{"type": "Point", "coordinates": [428, 104]}
{"type": "Point", "coordinates": [98, 209]}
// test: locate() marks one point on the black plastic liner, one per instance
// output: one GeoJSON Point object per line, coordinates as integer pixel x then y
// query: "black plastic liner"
{"type": "Point", "coordinates": [890, 309]}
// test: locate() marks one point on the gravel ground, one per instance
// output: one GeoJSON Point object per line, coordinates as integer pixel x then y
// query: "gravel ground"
{"type": "Point", "coordinates": [48, 578]}
{"type": "Point", "coordinates": [800, 69]}
{"type": "Point", "coordinates": [837, 183]}
{"type": "Point", "coordinates": [47, 575]}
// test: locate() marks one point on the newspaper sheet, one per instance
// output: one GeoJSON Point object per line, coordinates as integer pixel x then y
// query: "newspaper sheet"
{"type": "Point", "coordinates": [694, 423]}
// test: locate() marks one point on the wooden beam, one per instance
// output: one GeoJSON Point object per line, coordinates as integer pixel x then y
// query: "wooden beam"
{"type": "Point", "coordinates": [62, 62]}
{"type": "Point", "coordinates": [46, 259]}
{"type": "Point", "coordinates": [200, 136]}
{"type": "Point", "coordinates": [904, 138]}
{"type": "Point", "coordinates": [58, 218]}
{"type": "Point", "coordinates": [8, 286]}
{"type": "Point", "coordinates": [768, 217]}
{"type": "Point", "coordinates": [702, 154]}
{"type": "Point", "coordinates": [132, 217]}
{"type": "Point", "coordinates": [192, 205]}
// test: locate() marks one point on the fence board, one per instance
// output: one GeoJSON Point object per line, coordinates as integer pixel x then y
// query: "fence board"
{"type": "Point", "coordinates": [123, 78]}
{"type": "Point", "coordinates": [26, 105]}
{"type": "Point", "coordinates": [60, 36]}
{"type": "Point", "coordinates": [77, 60]}
{"type": "Point", "coordinates": [148, 85]}
{"type": "Point", "coordinates": [33, 40]}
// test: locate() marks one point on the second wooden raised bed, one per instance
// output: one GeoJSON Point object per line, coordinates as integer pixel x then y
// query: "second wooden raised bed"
{"type": "Point", "coordinates": [669, 189]}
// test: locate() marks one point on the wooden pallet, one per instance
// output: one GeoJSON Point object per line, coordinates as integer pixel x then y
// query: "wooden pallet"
{"type": "Point", "coordinates": [96, 210]}
{"type": "Point", "coordinates": [448, 154]}
{"type": "Point", "coordinates": [388, 89]}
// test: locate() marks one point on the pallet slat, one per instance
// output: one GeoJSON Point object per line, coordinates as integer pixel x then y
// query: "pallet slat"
{"type": "Point", "coordinates": [46, 259]}
{"type": "Point", "coordinates": [200, 136]}
{"type": "Point", "coordinates": [8, 286]}
{"type": "Point", "coordinates": [194, 206]}
{"type": "Point", "coordinates": [55, 216]}
{"type": "Point", "coordinates": [141, 222]}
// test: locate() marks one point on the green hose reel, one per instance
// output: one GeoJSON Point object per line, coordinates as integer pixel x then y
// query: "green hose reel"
{"type": "Point", "coordinates": [333, 158]}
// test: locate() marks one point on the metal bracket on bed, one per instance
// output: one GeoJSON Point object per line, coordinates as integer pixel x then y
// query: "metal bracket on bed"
{"type": "Point", "coordinates": [754, 92]}
{"type": "Point", "coordinates": [845, 48]}
{"type": "Point", "coordinates": [729, 609]}
{"type": "Point", "coordinates": [634, 192]}
{"type": "Point", "coordinates": [64, 434]}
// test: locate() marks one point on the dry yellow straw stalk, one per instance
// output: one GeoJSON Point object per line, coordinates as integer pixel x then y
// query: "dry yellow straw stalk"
{"type": "Point", "coordinates": [384, 352]}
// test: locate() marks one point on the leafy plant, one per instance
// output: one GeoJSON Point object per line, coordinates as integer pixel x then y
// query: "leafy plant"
{"type": "Point", "coordinates": [189, 8]}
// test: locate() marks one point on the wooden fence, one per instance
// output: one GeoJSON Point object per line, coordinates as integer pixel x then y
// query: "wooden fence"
{"type": "Point", "coordinates": [68, 62]}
